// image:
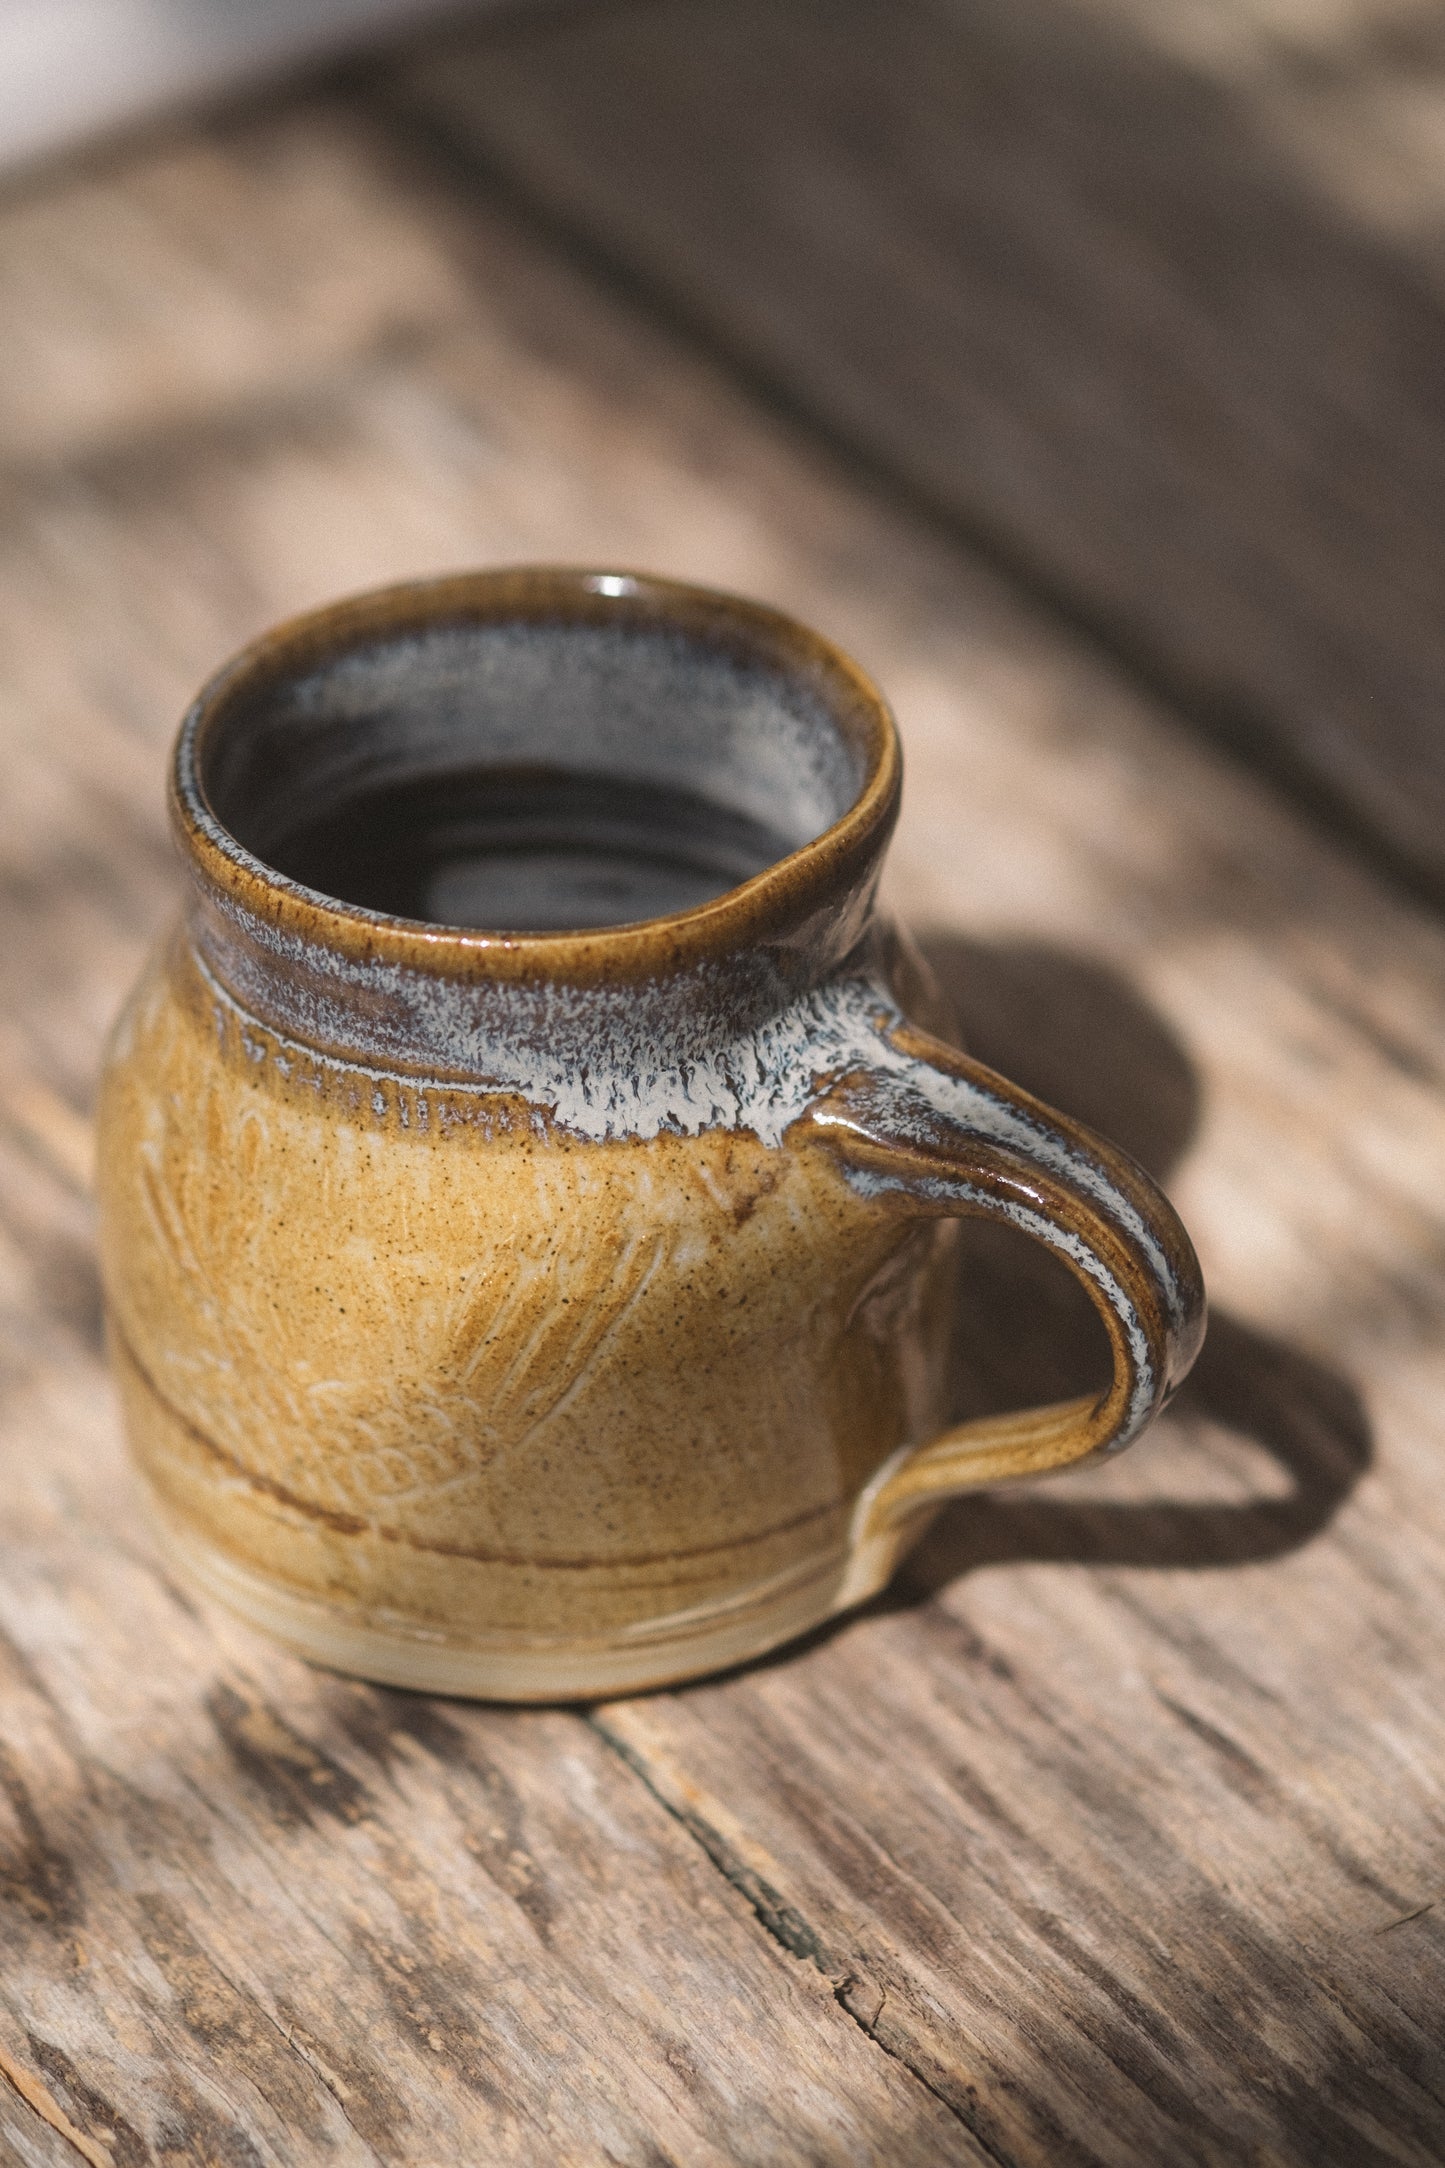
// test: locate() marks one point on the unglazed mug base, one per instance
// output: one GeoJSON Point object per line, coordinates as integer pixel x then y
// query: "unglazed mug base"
{"type": "Point", "coordinates": [514, 1667]}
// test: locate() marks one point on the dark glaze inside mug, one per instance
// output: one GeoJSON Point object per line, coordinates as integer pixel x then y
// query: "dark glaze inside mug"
{"type": "Point", "coordinates": [532, 776]}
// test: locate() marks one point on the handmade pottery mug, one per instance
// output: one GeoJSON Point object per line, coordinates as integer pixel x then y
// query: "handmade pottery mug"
{"type": "Point", "coordinates": [527, 1175]}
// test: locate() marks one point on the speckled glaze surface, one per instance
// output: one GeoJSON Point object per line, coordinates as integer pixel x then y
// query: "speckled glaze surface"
{"type": "Point", "coordinates": [552, 1314]}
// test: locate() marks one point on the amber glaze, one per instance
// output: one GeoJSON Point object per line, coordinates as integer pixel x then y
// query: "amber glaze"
{"type": "Point", "coordinates": [550, 1315]}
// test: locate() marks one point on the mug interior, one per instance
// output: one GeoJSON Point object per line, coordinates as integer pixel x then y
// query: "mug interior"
{"type": "Point", "coordinates": [531, 773]}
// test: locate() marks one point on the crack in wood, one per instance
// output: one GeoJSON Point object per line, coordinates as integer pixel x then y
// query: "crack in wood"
{"type": "Point", "coordinates": [785, 1925]}
{"type": "Point", "coordinates": [1418, 1914]}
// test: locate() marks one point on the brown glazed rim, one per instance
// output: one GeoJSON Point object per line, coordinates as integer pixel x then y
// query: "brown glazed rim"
{"type": "Point", "coordinates": [774, 906]}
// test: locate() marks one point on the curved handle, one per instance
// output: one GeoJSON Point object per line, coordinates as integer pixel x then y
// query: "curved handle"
{"type": "Point", "coordinates": [938, 1133]}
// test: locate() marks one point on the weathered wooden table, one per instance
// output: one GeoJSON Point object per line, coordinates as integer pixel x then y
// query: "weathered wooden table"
{"type": "Point", "coordinates": [1115, 1834]}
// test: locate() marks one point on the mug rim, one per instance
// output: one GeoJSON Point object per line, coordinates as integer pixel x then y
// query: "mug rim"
{"type": "Point", "coordinates": [778, 905]}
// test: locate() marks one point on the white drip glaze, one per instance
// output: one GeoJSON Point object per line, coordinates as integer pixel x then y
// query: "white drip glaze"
{"type": "Point", "coordinates": [765, 1080]}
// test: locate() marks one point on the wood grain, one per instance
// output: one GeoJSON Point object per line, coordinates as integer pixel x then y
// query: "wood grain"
{"type": "Point", "coordinates": [1115, 1834]}
{"type": "Point", "coordinates": [1145, 301]}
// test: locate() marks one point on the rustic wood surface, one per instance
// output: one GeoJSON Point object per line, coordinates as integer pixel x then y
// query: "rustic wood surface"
{"type": "Point", "coordinates": [1114, 1834]}
{"type": "Point", "coordinates": [903, 217]}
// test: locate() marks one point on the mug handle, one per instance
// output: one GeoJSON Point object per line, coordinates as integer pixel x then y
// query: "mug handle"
{"type": "Point", "coordinates": [928, 1131]}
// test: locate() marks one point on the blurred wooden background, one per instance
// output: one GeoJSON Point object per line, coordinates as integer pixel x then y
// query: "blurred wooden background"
{"type": "Point", "coordinates": [1075, 365]}
{"type": "Point", "coordinates": [74, 69]}
{"type": "Point", "coordinates": [1147, 302]}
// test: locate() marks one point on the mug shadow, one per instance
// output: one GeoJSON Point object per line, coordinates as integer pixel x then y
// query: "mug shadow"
{"type": "Point", "coordinates": [1076, 1033]}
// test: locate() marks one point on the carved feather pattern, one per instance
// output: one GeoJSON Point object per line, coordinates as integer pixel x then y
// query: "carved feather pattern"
{"type": "Point", "coordinates": [417, 1375]}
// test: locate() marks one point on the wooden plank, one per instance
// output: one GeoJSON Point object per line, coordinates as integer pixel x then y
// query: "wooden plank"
{"type": "Point", "coordinates": [1118, 1825]}
{"type": "Point", "coordinates": [260, 1914]}
{"type": "Point", "coordinates": [1146, 301]}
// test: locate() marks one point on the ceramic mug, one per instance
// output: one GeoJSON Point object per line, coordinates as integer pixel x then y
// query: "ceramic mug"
{"type": "Point", "coordinates": [527, 1174]}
